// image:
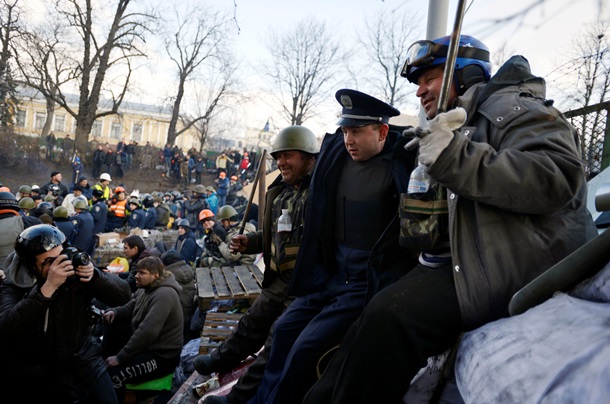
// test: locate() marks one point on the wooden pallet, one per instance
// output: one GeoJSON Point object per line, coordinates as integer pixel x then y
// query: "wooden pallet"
{"type": "Point", "coordinates": [239, 282]}
{"type": "Point", "coordinates": [216, 328]}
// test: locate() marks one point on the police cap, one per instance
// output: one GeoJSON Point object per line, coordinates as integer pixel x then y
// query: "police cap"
{"type": "Point", "coordinates": [360, 109]}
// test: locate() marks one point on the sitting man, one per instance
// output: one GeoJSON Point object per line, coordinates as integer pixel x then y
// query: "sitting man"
{"type": "Point", "coordinates": [153, 349]}
{"type": "Point", "coordinates": [294, 150]}
{"type": "Point", "coordinates": [500, 140]}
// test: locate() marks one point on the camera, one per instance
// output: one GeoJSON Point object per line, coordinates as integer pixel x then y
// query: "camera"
{"type": "Point", "coordinates": [78, 258]}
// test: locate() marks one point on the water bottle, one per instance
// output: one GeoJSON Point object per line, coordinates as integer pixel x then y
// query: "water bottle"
{"type": "Point", "coordinates": [284, 223]}
{"type": "Point", "coordinates": [419, 182]}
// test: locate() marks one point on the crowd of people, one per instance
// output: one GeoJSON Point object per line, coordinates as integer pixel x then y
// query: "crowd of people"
{"type": "Point", "coordinates": [366, 264]}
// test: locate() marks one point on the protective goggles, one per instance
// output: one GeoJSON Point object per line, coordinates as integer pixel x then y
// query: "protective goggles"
{"type": "Point", "coordinates": [423, 53]}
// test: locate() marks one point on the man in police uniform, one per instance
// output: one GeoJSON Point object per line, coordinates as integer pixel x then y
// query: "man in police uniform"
{"type": "Point", "coordinates": [361, 170]}
{"type": "Point", "coordinates": [294, 149]}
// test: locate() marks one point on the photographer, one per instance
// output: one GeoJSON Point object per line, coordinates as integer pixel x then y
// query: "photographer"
{"type": "Point", "coordinates": [46, 344]}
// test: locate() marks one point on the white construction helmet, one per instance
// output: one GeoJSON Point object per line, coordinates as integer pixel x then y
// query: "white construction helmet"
{"type": "Point", "coordinates": [105, 177]}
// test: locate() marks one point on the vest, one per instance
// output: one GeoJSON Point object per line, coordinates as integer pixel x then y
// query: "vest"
{"type": "Point", "coordinates": [119, 208]}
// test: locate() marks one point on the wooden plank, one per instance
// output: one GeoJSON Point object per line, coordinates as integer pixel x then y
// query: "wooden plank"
{"type": "Point", "coordinates": [222, 291]}
{"type": "Point", "coordinates": [213, 315]}
{"type": "Point", "coordinates": [257, 274]}
{"type": "Point", "coordinates": [205, 289]}
{"type": "Point", "coordinates": [233, 282]}
{"type": "Point", "coordinates": [248, 280]}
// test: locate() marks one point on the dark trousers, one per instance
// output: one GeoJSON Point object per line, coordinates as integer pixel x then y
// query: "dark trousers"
{"type": "Point", "coordinates": [311, 326]}
{"type": "Point", "coordinates": [404, 324]}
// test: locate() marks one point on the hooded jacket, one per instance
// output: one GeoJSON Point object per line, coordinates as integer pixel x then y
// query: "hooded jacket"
{"type": "Point", "coordinates": [50, 337]}
{"type": "Point", "coordinates": [527, 209]}
{"type": "Point", "coordinates": [156, 320]}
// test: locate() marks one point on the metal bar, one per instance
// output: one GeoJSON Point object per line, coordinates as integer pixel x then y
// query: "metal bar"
{"type": "Point", "coordinates": [454, 43]}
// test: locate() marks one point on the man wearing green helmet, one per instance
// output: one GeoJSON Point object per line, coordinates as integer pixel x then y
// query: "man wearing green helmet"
{"type": "Point", "coordinates": [294, 150]}
{"type": "Point", "coordinates": [514, 182]}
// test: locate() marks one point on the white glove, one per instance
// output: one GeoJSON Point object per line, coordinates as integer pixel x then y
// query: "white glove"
{"type": "Point", "coordinates": [440, 134]}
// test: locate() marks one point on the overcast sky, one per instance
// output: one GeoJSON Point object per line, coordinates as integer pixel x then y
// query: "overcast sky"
{"type": "Point", "coordinates": [543, 36]}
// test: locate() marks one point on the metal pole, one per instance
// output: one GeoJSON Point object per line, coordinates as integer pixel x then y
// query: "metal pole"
{"type": "Point", "coordinates": [259, 171]}
{"type": "Point", "coordinates": [454, 42]}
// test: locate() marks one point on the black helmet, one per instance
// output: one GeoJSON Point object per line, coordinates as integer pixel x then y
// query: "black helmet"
{"type": "Point", "coordinates": [147, 201]}
{"type": "Point", "coordinates": [45, 205]}
{"type": "Point", "coordinates": [36, 240]}
{"type": "Point", "coordinates": [98, 193]}
{"type": "Point", "coordinates": [8, 201]}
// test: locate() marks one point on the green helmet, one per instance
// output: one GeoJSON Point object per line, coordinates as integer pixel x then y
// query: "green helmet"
{"type": "Point", "coordinates": [295, 138]}
{"type": "Point", "coordinates": [200, 189]}
{"type": "Point", "coordinates": [26, 203]}
{"type": "Point", "coordinates": [226, 212]}
{"type": "Point", "coordinates": [25, 189]}
{"type": "Point", "coordinates": [60, 211]}
{"type": "Point", "coordinates": [80, 203]}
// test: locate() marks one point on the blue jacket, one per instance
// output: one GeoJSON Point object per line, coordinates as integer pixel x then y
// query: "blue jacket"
{"type": "Point", "coordinates": [315, 262]}
{"type": "Point", "coordinates": [83, 223]}
{"type": "Point", "coordinates": [66, 226]}
{"type": "Point", "coordinates": [213, 202]}
{"type": "Point", "coordinates": [137, 218]}
{"type": "Point", "coordinates": [99, 211]}
{"type": "Point", "coordinates": [223, 185]}
{"type": "Point", "coordinates": [151, 218]}
{"type": "Point", "coordinates": [187, 247]}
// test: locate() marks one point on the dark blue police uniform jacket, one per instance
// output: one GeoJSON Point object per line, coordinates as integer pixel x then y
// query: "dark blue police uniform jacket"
{"type": "Point", "coordinates": [315, 262]}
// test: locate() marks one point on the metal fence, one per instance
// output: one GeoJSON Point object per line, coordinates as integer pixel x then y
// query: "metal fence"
{"type": "Point", "coordinates": [593, 125]}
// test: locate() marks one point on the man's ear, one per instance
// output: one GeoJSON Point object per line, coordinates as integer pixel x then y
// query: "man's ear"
{"type": "Point", "coordinates": [383, 131]}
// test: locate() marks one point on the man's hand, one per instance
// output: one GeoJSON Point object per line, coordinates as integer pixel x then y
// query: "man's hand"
{"type": "Point", "coordinates": [238, 243]}
{"type": "Point", "coordinates": [112, 361]}
{"type": "Point", "coordinates": [440, 135]}
{"type": "Point", "coordinates": [215, 238]}
{"type": "Point", "coordinates": [59, 271]}
{"type": "Point", "coordinates": [85, 272]}
{"type": "Point", "coordinates": [108, 316]}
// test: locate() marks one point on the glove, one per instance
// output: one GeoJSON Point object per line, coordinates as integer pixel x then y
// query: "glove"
{"type": "Point", "coordinates": [215, 238]}
{"type": "Point", "coordinates": [440, 133]}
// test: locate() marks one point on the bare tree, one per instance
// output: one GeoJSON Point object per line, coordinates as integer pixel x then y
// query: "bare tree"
{"type": "Point", "coordinates": [199, 42]}
{"type": "Point", "coordinates": [213, 100]}
{"type": "Point", "coordinates": [303, 63]}
{"type": "Point", "coordinates": [85, 63]}
{"type": "Point", "coordinates": [9, 28]}
{"type": "Point", "coordinates": [387, 38]}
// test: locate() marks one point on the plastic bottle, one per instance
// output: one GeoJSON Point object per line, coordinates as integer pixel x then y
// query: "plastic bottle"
{"type": "Point", "coordinates": [419, 181]}
{"type": "Point", "coordinates": [284, 223]}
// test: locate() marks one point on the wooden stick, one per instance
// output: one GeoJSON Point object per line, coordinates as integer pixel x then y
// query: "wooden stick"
{"type": "Point", "coordinates": [259, 172]}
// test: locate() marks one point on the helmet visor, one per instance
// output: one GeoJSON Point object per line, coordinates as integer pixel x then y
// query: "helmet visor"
{"type": "Point", "coordinates": [423, 53]}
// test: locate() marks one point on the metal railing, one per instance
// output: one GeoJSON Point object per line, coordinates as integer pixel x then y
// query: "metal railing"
{"type": "Point", "coordinates": [593, 126]}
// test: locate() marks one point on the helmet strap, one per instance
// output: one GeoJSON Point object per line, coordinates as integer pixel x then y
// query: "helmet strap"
{"type": "Point", "coordinates": [469, 76]}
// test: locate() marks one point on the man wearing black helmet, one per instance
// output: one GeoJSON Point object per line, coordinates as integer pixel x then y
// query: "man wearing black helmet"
{"type": "Point", "coordinates": [500, 141]}
{"type": "Point", "coordinates": [45, 341]}
{"type": "Point", "coordinates": [99, 210]}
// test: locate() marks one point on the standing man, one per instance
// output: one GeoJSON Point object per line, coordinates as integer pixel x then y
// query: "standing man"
{"type": "Point", "coordinates": [295, 149]}
{"type": "Point", "coordinates": [500, 141]}
{"type": "Point", "coordinates": [167, 158]}
{"type": "Point", "coordinates": [83, 225]}
{"type": "Point", "coordinates": [45, 328]}
{"type": "Point", "coordinates": [222, 186]}
{"type": "Point", "coordinates": [54, 187]}
{"type": "Point", "coordinates": [99, 211]}
{"type": "Point", "coordinates": [50, 140]}
{"type": "Point", "coordinates": [98, 160]}
{"type": "Point", "coordinates": [68, 147]}
{"type": "Point", "coordinates": [360, 173]}
{"type": "Point", "coordinates": [104, 185]}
